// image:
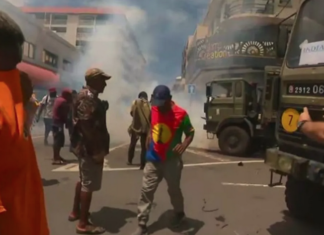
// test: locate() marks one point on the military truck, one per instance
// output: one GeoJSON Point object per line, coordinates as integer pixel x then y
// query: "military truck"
{"type": "Point", "coordinates": [240, 114]}
{"type": "Point", "coordinates": [302, 85]}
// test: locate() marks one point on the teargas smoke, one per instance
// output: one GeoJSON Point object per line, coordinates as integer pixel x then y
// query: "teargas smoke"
{"type": "Point", "coordinates": [122, 57]}
{"type": "Point", "coordinates": [140, 53]}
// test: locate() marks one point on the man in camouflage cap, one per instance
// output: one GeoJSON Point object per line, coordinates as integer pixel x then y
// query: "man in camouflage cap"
{"type": "Point", "coordinates": [90, 143]}
{"type": "Point", "coordinates": [95, 73]}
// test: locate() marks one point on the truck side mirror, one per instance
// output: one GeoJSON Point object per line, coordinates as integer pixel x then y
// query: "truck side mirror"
{"type": "Point", "coordinates": [282, 41]}
{"type": "Point", "coordinates": [208, 91]}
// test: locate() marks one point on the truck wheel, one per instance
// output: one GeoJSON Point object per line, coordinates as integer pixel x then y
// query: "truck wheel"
{"type": "Point", "coordinates": [234, 140]}
{"type": "Point", "coordinates": [304, 200]}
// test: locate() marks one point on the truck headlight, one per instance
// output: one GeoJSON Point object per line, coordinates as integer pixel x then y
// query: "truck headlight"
{"type": "Point", "coordinates": [272, 157]}
{"type": "Point", "coordinates": [285, 164]}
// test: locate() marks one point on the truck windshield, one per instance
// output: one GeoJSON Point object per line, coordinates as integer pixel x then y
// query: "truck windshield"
{"type": "Point", "coordinates": [307, 39]}
{"type": "Point", "coordinates": [221, 90]}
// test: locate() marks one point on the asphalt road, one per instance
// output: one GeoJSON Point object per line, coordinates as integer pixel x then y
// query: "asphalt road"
{"type": "Point", "coordinates": [221, 197]}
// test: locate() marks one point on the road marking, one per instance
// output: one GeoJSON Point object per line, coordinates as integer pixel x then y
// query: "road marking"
{"type": "Point", "coordinates": [75, 168]}
{"type": "Point", "coordinates": [206, 155]}
{"type": "Point", "coordinates": [118, 146]}
{"type": "Point", "coordinates": [252, 185]}
{"type": "Point", "coordinates": [221, 163]}
{"type": "Point", "coordinates": [37, 136]}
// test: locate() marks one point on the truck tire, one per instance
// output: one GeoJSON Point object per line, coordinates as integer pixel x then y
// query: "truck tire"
{"type": "Point", "coordinates": [304, 200]}
{"type": "Point", "coordinates": [234, 141]}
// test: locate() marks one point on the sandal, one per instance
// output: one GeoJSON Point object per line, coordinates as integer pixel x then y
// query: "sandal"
{"type": "Point", "coordinates": [58, 162]}
{"type": "Point", "coordinates": [73, 217]}
{"type": "Point", "coordinates": [90, 229]}
{"type": "Point", "coordinates": [63, 160]}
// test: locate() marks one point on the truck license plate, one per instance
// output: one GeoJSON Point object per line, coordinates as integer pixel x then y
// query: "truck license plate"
{"type": "Point", "coordinates": [306, 89]}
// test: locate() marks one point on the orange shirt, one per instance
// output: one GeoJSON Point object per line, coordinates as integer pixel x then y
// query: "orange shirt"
{"type": "Point", "coordinates": [22, 205]}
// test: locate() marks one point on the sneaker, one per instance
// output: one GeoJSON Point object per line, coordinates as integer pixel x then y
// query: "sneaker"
{"type": "Point", "coordinates": [177, 219]}
{"type": "Point", "coordinates": [141, 230]}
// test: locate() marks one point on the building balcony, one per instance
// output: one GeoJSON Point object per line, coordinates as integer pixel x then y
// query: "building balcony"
{"type": "Point", "coordinates": [62, 35]}
{"type": "Point", "coordinates": [231, 51]}
{"type": "Point", "coordinates": [83, 36]}
{"type": "Point", "coordinates": [86, 22]}
{"type": "Point", "coordinates": [239, 7]}
{"type": "Point", "coordinates": [101, 22]}
{"type": "Point", "coordinates": [58, 21]}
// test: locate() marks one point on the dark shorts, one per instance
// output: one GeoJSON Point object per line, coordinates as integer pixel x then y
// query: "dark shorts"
{"type": "Point", "coordinates": [58, 136]}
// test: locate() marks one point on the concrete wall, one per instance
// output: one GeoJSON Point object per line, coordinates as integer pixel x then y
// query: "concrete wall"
{"type": "Point", "coordinates": [71, 30]}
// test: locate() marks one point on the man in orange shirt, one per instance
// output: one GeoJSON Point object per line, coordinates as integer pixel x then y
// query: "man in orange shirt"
{"type": "Point", "coordinates": [22, 205]}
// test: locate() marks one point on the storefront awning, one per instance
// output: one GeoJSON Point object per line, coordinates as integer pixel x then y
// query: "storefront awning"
{"type": "Point", "coordinates": [39, 76]}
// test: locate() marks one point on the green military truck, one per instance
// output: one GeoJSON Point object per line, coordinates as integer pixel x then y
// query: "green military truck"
{"type": "Point", "coordinates": [302, 85]}
{"type": "Point", "coordinates": [240, 114]}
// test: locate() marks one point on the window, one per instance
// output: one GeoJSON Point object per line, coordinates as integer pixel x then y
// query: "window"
{"type": "Point", "coordinates": [29, 50]}
{"type": "Point", "coordinates": [39, 16]}
{"type": "Point", "coordinates": [47, 18]}
{"type": "Point", "coordinates": [50, 59]}
{"type": "Point", "coordinates": [227, 11]}
{"type": "Point", "coordinates": [59, 19]}
{"type": "Point", "coordinates": [84, 33]}
{"type": "Point", "coordinates": [238, 89]}
{"type": "Point", "coordinates": [86, 20]}
{"type": "Point", "coordinates": [285, 3]}
{"type": "Point", "coordinates": [308, 28]}
{"type": "Point", "coordinates": [85, 30]}
{"type": "Point", "coordinates": [248, 2]}
{"type": "Point", "coordinates": [81, 43]}
{"type": "Point", "coordinates": [102, 19]}
{"type": "Point", "coordinates": [221, 89]}
{"type": "Point", "coordinates": [58, 29]}
{"type": "Point", "coordinates": [119, 18]}
{"type": "Point", "coordinates": [67, 66]}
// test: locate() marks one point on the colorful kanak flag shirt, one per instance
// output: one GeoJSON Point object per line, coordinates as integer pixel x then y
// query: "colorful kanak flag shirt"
{"type": "Point", "coordinates": [166, 131]}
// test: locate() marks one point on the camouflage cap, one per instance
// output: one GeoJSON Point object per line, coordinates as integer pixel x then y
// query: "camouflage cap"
{"type": "Point", "coordinates": [94, 73]}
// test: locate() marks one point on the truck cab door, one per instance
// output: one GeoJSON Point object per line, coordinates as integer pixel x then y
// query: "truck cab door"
{"type": "Point", "coordinates": [249, 98]}
{"type": "Point", "coordinates": [271, 94]}
{"type": "Point", "coordinates": [239, 98]}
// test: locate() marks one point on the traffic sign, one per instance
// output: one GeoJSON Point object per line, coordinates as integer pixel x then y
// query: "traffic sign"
{"type": "Point", "coordinates": [191, 88]}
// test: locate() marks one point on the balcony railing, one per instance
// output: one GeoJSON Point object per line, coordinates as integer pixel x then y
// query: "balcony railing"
{"type": "Point", "coordinates": [44, 21]}
{"type": "Point", "coordinates": [241, 7]}
{"type": "Point", "coordinates": [86, 22]}
{"type": "Point", "coordinates": [59, 21]}
{"type": "Point", "coordinates": [62, 35]}
{"type": "Point", "coordinates": [83, 35]}
{"type": "Point", "coordinates": [101, 22]}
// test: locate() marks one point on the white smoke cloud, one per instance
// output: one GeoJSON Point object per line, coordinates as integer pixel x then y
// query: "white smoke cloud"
{"type": "Point", "coordinates": [161, 29]}
{"type": "Point", "coordinates": [119, 57]}
{"type": "Point", "coordinates": [17, 3]}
